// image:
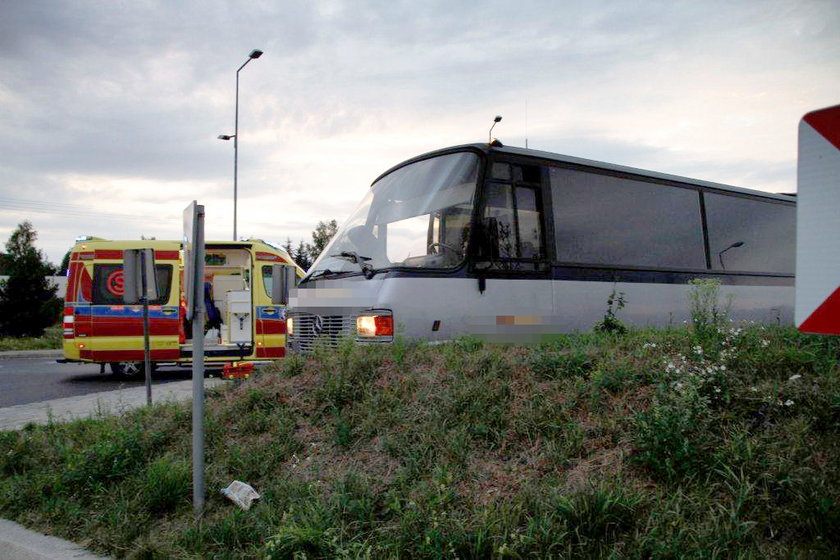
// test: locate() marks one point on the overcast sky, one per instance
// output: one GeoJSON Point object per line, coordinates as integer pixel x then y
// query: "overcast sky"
{"type": "Point", "coordinates": [110, 110]}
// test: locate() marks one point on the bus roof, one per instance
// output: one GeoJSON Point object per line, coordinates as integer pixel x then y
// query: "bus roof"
{"type": "Point", "coordinates": [550, 156]}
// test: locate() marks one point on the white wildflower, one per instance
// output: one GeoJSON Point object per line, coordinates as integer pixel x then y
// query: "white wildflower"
{"type": "Point", "coordinates": [765, 343]}
{"type": "Point", "coordinates": [794, 377]}
{"type": "Point", "coordinates": [788, 402]}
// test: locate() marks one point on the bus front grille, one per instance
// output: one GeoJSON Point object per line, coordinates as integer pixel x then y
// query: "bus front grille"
{"type": "Point", "coordinates": [311, 330]}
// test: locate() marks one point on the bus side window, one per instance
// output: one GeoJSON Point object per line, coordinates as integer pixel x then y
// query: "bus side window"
{"type": "Point", "coordinates": [499, 219]}
{"type": "Point", "coordinates": [512, 220]}
{"type": "Point", "coordinates": [608, 219]}
{"type": "Point", "coordinates": [750, 235]}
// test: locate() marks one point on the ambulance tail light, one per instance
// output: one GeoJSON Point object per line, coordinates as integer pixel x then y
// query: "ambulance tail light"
{"type": "Point", "coordinates": [375, 326]}
{"type": "Point", "coordinates": [68, 322]}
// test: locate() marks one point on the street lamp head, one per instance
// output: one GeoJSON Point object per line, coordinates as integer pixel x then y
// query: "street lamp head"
{"type": "Point", "coordinates": [226, 136]}
{"type": "Point", "coordinates": [256, 53]}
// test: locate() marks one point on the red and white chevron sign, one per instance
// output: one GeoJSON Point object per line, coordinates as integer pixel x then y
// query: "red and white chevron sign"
{"type": "Point", "coordinates": [818, 223]}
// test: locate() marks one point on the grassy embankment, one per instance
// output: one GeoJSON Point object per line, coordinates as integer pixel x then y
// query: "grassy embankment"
{"type": "Point", "coordinates": [50, 341]}
{"type": "Point", "coordinates": [666, 444]}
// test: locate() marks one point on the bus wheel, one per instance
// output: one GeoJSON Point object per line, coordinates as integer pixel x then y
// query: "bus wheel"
{"type": "Point", "coordinates": [127, 369]}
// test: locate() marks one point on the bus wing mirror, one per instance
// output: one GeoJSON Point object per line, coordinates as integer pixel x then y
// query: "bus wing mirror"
{"type": "Point", "coordinates": [139, 278]}
{"type": "Point", "coordinates": [282, 283]}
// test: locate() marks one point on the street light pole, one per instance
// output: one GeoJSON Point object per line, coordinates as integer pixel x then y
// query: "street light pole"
{"type": "Point", "coordinates": [256, 53]}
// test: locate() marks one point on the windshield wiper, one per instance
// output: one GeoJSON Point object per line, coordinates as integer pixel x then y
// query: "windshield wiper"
{"type": "Point", "coordinates": [352, 256]}
{"type": "Point", "coordinates": [358, 259]}
{"type": "Point", "coordinates": [320, 273]}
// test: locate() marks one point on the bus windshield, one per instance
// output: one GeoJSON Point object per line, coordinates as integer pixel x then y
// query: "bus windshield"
{"type": "Point", "coordinates": [416, 217]}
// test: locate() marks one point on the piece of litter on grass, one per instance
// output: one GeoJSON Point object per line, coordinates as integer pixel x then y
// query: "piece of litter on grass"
{"type": "Point", "coordinates": [241, 494]}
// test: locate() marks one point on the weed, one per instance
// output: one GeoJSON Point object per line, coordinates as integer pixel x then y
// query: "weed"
{"type": "Point", "coordinates": [547, 363]}
{"type": "Point", "coordinates": [165, 485]}
{"type": "Point", "coordinates": [610, 323]}
{"type": "Point", "coordinates": [343, 430]}
{"type": "Point", "coordinates": [468, 344]}
{"type": "Point", "coordinates": [292, 365]}
{"type": "Point", "coordinates": [671, 437]}
{"type": "Point", "coordinates": [709, 316]}
{"type": "Point", "coordinates": [294, 541]}
{"type": "Point", "coordinates": [107, 460]}
{"type": "Point", "coordinates": [598, 514]}
{"type": "Point", "coordinates": [18, 457]}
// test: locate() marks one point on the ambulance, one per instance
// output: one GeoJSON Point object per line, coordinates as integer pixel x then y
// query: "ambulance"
{"type": "Point", "coordinates": [243, 321]}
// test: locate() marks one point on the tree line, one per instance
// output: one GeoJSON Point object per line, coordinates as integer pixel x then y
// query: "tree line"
{"type": "Point", "coordinates": [306, 253]}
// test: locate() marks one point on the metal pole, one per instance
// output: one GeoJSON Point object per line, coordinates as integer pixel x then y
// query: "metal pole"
{"type": "Point", "coordinates": [254, 54]}
{"type": "Point", "coordinates": [147, 354]}
{"type": "Point", "coordinates": [198, 369]}
{"type": "Point", "coordinates": [236, 149]}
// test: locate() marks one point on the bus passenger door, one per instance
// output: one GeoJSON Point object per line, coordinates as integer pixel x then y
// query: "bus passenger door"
{"type": "Point", "coordinates": [510, 257]}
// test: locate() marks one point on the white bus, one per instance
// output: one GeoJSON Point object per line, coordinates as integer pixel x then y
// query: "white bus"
{"type": "Point", "coordinates": [516, 245]}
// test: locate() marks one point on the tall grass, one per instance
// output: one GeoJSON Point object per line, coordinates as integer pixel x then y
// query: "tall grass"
{"type": "Point", "coordinates": [663, 444]}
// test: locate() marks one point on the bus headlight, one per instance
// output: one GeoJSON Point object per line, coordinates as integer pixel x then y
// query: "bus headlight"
{"type": "Point", "coordinates": [370, 326]}
{"type": "Point", "coordinates": [290, 326]}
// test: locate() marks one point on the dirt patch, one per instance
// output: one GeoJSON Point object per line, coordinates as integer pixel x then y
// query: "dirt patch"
{"type": "Point", "coordinates": [492, 477]}
{"type": "Point", "coordinates": [323, 461]}
{"type": "Point", "coordinates": [605, 463]}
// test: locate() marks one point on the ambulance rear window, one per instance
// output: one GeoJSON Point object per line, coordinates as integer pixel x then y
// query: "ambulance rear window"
{"type": "Point", "coordinates": [108, 284]}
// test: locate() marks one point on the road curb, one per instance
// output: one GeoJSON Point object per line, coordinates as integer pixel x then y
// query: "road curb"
{"type": "Point", "coordinates": [19, 543]}
{"type": "Point", "coordinates": [9, 354]}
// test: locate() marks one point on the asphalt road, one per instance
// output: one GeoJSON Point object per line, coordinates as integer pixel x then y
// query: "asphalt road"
{"type": "Point", "coordinates": [29, 380]}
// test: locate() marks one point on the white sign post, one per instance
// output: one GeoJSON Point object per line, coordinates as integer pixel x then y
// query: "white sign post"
{"type": "Point", "coordinates": [817, 223]}
{"type": "Point", "coordinates": [194, 293]}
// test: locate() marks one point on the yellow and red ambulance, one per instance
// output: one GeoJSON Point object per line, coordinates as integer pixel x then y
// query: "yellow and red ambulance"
{"type": "Point", "coordinates": [242, 322]}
